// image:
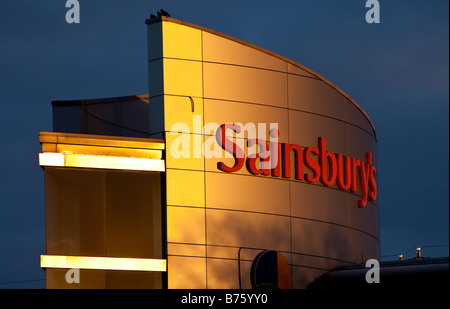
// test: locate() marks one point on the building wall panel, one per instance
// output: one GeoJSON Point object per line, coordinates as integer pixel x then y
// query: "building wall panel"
{"type": "Point", "coordinates": [247, 229]}
{"type": "Point", "coordinates": [216, 49]}
{"type": "Point", "coordinates": [262, 87]}
{"type": "Point", "coordinates": [185, 225]}
{"type": "Point", "coordinates": [247, 193]}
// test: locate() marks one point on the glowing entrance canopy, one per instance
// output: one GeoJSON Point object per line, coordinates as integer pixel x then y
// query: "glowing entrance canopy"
{"type": "Point", "coordinates": [104, 152]}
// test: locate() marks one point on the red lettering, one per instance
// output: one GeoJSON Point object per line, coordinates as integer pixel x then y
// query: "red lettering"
{"type": "Point", "coordinates": [355, 164]}
{"type": "Point", "coordinates": [312, 164]}
{"type": "Point", "coordinates": [326, 157]}
{"type": "Point", "coordinates": [344, 178]}
{"type": "Point", "coordinates": [273, 158]}
{"type": "Point", "coordinates": [231, 147]}
{"type": "Point", "coordinates": [364, 175]}
{"type": "Point", "coordinates": [263, 155]}
{"type": "Point", "coordinates": [275, 153]}
{"type": "Point", "coordinates": [373, 184]}
{"type": "Point", "coordinates": [298, 154]}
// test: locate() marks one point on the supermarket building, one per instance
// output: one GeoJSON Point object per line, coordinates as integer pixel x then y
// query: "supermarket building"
{"type": "Point", "coordinates": [239, 169]}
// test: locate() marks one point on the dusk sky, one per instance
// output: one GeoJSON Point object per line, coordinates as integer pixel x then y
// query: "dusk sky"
{"type": "Point", "coordinates": [397, 71]}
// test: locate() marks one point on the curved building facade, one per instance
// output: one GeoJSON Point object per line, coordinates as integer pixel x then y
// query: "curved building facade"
{"type": "Point", "coordinates": [269, 170]}
{"type": "Point", "coordinates": [217, 221]}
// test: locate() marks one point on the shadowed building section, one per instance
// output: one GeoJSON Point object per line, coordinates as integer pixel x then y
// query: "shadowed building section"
{"type": "Point", "coordinates": [120, 116]}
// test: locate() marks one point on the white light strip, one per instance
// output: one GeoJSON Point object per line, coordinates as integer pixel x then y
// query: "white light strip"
{"type": "Point", "coordinates": [104, 263]}
{"type": "Point", "coordinates": [51, 159]}
{"type": "Point", "coordinates": [105, 162]}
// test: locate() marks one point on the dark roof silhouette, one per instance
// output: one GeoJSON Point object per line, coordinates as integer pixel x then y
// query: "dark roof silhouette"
{"type": "Point", "coordinates": [164, 13]}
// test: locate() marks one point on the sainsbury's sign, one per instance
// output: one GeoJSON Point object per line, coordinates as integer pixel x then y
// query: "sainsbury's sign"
{"type": "Point", "coordinates": [274, 159]}
{"type": "Point", "coordinates": [262, 154]}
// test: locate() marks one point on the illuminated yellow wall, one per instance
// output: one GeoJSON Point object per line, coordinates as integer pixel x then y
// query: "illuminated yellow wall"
{"type": "Point", "coordinates": [215, 217]}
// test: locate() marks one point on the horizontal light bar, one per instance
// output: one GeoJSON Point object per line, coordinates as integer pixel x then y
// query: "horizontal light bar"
{"type": "Point", "coordinates": [106, 162]}
{"type": "Point", "coordinates": [104, 263]}
{"type": "Point", "coordinates": [51, 159]}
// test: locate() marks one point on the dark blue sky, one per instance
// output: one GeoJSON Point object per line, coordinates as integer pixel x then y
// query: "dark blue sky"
{"type": "Point", "coordinates": [398, 71]}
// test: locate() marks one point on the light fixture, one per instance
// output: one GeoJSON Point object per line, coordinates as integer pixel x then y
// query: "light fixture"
{"type": "Point", "coordinates": [419, 253]}
{"type": "Point", "coordinates": [104, 263]}
{"type": "Point", "coordinates": [105, 162]}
